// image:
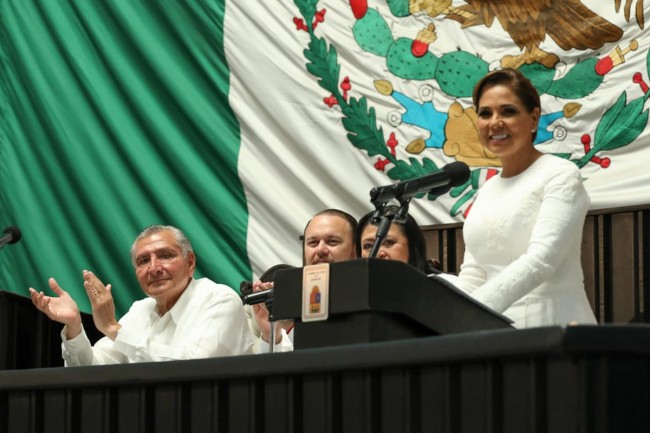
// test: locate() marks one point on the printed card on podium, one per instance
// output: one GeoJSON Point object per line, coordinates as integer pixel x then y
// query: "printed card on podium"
{"type": "Point", "coordinates": [315, 292]}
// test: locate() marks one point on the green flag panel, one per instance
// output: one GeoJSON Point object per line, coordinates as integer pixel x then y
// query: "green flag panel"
{"type": "Point", "coordinates": [115, 116]}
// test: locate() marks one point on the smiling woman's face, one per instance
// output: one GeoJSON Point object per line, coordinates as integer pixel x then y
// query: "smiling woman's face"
{"type": "Point", "coordinates": [505, 126]}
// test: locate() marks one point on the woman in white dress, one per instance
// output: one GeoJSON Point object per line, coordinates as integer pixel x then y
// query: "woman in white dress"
{"type": "Point", "coordinates": [523, 232]}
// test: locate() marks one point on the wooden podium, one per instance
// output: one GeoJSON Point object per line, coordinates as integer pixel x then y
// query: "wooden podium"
{"type": "Point", "coordinates": [379, 300]}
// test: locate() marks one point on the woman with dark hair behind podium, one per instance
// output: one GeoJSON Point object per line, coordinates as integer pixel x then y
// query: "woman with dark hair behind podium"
{"type": "Point", "coordinates": [403, 242]}
{"type": "Point", "coordinates": [523, 232]}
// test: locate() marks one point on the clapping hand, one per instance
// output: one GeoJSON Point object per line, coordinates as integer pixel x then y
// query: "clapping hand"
{"type": "Point", "coordinates": [60, 308]}
{"type": "Point", "coordinates": [102, 304]}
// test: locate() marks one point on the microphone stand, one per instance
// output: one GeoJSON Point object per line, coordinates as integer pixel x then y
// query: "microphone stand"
{"type": "Point", "coordinates": [385, 220]}
{"type": "Point", "coordinates": [269, 307]}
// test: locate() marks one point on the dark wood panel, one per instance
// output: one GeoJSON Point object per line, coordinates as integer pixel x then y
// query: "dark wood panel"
{"type": "Point", "coordinates": [622, 289]}
{"type": "Point", "coordinates": [590, 266]}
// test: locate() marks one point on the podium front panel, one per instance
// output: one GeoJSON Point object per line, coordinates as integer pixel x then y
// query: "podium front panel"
{"type": "Point", "coordinates": [380, 300]}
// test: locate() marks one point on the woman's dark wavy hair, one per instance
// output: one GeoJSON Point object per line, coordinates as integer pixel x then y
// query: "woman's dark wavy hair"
{"type": "Point", "coordinates": [414, 235]}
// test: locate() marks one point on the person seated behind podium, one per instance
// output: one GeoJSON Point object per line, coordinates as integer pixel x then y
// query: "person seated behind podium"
{"type": "Point", "coordinates": [404, 241]}
{"type": "Point", "coordinates": [181, 318]}
{"type": "Point", "coordinates": [330, 236]}
{"type": "Point", "coordinates": [523, 233]}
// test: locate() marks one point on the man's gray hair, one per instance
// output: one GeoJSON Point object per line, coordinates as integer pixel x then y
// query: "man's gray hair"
{"type": "Point", "coordinates": [181, 240]}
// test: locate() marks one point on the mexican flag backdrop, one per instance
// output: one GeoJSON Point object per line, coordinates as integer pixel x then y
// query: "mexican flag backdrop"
{"type": "Point", "coordinates": [238, 120]}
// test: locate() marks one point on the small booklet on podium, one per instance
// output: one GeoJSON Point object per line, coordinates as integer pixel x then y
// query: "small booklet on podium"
{"type": "Point", "coordinates": [315, 292]}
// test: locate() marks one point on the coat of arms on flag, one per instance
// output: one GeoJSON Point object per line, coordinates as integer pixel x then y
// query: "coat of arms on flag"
{"type": "Point", "coordinates": [401, 73]}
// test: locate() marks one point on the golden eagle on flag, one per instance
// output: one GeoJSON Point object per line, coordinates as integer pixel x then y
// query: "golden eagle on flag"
{"type": "Point", "coordinates": [568, 22]}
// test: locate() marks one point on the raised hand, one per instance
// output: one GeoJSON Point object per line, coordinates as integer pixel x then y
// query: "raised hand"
{"type": "Point", "coordinates": [102, 304]}
{"type": "Point", "coordinates": [60, 308]}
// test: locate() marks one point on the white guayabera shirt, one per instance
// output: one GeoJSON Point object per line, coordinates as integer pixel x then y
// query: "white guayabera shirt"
{"type": "Point", "coordinates": [208, 320]}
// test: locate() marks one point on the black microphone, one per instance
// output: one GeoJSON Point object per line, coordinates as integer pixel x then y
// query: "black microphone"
{"type": "Point", "coordinates": [257, 297]}
{"type": "Point", "coordinates": [454, 174]}
{"type": "Point", "coordinates": [10, 235]}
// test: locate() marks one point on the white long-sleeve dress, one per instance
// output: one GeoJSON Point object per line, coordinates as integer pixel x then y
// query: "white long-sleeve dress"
{"type": "Point", "coordinates": [522, 239]}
